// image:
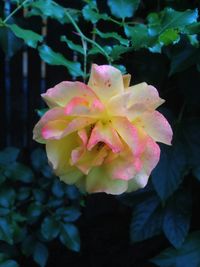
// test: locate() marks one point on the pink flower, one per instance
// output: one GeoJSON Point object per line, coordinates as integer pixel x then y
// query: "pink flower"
{"type": "Point", "coordinates": [102, 136]}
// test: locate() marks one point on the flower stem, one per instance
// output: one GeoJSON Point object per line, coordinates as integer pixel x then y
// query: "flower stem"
{"type": "Point", "coordinates": [85, 38]}
{"type": "Point", "coordinates": [15, 11]}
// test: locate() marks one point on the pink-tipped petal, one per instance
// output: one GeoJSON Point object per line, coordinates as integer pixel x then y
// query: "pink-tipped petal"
{"type": "Point", "coordinates": [54, 129]}
{"type": "Point", "coordinates": [106, 134]}
{"type": "Point", "coordinates": [106, 81]}
{"type": "Point", "coordinates": [63, 92]}
{"type": "Point", "coordinates": [129, 134]}
{"type": "Point", "coordinates": [155, 125]}
{"type": "Point", "coordinates": [77, 124]}
{"type": "Point", "coordinates": [51, 115]}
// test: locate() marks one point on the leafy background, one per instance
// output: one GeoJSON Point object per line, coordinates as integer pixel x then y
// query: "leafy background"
{"type": "Point", "coordinates": [43, 221]}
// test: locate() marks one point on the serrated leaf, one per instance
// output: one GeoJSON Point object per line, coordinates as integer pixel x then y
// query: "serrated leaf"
{"type": "Point", "coordinates": [169, 172]}
{"type": "Point", "coordinates": [54, 58]}
{"type": "Point", "coordinates": [30, 38]}
{"type": "Point", "coordinates": [52, 10]}
{"type": "Point", "coordinates": [40, 254]}
{"type": "Point", "coordinates": [144, 216]}
{"type": "Point", "coordinates": [123, 8]}
{"type": "Point", "coordinates": [187, 255]}
{"type": "Point", "coordinates": [140, 37]}
{"type": "Point", "coordinates": [118, 50]}
{"type": "Point", "coordinates": [177, 216]}
{"type": "Point", "coordinates": [69, 236]}
{"type": "Point", "coordinates": [50, 228]}
{"type": "Point", "coordinates": [112, 35]}
{"type": "Point", "coordinates": [169, 36]}
{"type": "Point", "coordinates": [72, 46]}
{"type": "Point", "coordinates": [91, 13]}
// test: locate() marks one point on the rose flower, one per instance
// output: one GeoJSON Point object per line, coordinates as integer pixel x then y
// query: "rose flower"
{"type": "Point", "coordinates": [102, 136]}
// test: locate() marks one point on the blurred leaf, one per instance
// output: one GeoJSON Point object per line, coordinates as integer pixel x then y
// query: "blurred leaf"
{"type": "Point", "coordinates": [183, 58]}
{"type": "Point", "coordinates": [169, 172]}
{"type": "Point", "coordinates": [112, 35]}
{"type": "Point", "coordinates": [9, 263]}
{"type": "Point", "coordinates": [7, 197]}
{"type": "Point", "coordinates": [57, 188]}
{"type": "Point", "coordinates": [6, 231]}
{"type": "Point", "coordinates": [39, 195]}
{"type": "Point", "coordinates": [23, 193]}
{"type": "Point", "coordinates": [50, 228]}
{"type": "Point", "coordinates": [30, 38]}
{"type": "Point", "coordinates": [41, 112]}
{"type": "Point", "coordinates": [177, 218]}
{"type": "Point", "coordinates": [34, 211]}
{"type": "Point", "coordinates": [20, 172]}
{"type": "Point", "coordinates": [28, 245]}
{"type": "Point", "coordinates": [40, 254]}
{"type": "Point", "coordinates": [91, 13]}
{"type": "Point", "coordinates": [9, 155]}
{"type": "Point", "coordinates": [54, 58]}
{"type": "Point", "coordinates": [144, 216]}
{"type": "Point", "coordinates": [193, 28]}
{"type": "Point", "coordinates": [72, 192]}
{"type": "Point", "coordinates": [69, 214]}
{"type": "Point", "coordinates": [191, 133]}
{"type": "Point", "coordinates": [187, 255]}
{"type": "Point", "coordinates": [72, 46]}
{"type": "Point", "coordinates": [123, 8]}
{"type": "Point", "coordinates": [69, 236]}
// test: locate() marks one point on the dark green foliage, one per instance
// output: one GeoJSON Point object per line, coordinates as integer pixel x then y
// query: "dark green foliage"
{"type": "Point", "coordinates": [35, 208]}
{"type": "Point", "coordinates": [157, 42]}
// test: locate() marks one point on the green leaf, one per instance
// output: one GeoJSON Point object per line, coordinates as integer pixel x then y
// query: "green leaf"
{"type": "Point", "coordinates": [30, 38]}
{"type": "Point", "coordinates": [40, 254]}
{"type": "Point", "coordinates": [72, 46]}
{"type": "Point", "coordinates": [140, 36]}
{"type": "Point", "coordinates": [91, 13]}
{"type": "Point", "coordinates": [187, 255]}
{"type": "Point", "coordinates": [20, 172]}
{"type": "Point", "coordinates": [144, 216]}
{"type": "Point", "coordinates": [123, 8]}
{"type": "Point", "coordinates": [51, 9]}
{"type": "Point", "coordinates": [177, 218]}
{"type": "Point", "coordinates": [169, 172]}
{"type": "Point", "coordinates": [118, 50]}
{"type": "Point", "coordinates": [42, 111]}
{"type": "Point", "coordinates": [28, 245]}
{"type": "Point", "coordinates": [112, 35]}
{"type": "Point", "coordinates": [9, 263]}
{"type": "Point", "coordinates": [7, 197]}
{"type": "Point", "coordinates": [6, 231]}
{"type": "Point", "coordinates": [50, 228]}
{"type": "Point", "coordinates": [69, 236]}
{"type": "Point", "coordinates": [9, 155]}
{"type": "Point", "coordinates": [54, 58]}
{"type": "Point", "coordinates": [169, 36]}
{"type": "Point", "coordinates": [193, 28]}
